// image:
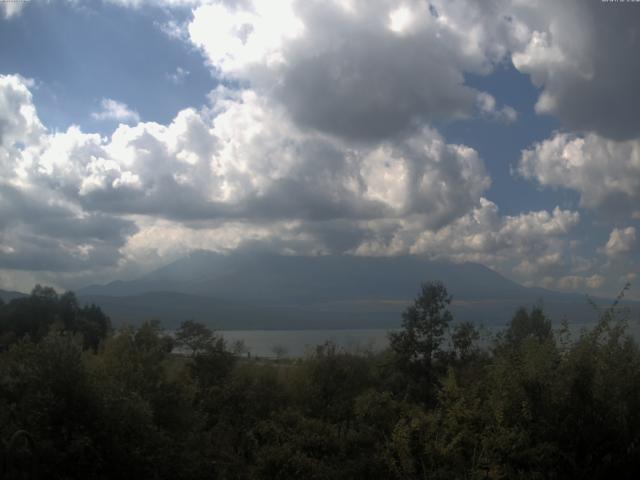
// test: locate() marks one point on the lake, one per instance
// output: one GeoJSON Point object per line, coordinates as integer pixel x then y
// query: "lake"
{"type": "Point", "coordinates": [297, 343]}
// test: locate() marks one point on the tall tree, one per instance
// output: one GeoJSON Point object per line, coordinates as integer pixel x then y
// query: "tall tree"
{"type": "Point", "coordinates": [417, 345]}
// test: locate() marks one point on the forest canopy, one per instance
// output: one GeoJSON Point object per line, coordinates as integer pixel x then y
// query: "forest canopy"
{"type": "Point", "coordinates": [81, 400]}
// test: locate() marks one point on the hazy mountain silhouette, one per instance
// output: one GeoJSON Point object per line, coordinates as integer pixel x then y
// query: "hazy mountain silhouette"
{"type": "Point", "coordinates": [8, 295]}
{"type": "Point", "coordinates": [301, 280]}
{"type": "Point", "coordinates": [276, 291]}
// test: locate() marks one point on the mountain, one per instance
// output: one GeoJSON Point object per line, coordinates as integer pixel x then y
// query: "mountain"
{"type": "Point", "coordinates": [8, 295]}
{"type": "Point", "coordinates": [266, 291]}
{"type": "Point", "coordinates": [301, 280]}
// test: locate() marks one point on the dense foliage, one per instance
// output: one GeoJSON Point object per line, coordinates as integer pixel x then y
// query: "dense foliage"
{"type": "Point", "coordinates": [80, 401]}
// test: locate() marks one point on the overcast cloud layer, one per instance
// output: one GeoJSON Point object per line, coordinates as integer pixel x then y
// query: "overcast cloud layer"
{"type": "Point", "coordinates": [326, 138]}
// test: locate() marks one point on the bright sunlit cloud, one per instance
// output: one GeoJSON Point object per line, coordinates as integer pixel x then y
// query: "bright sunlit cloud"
{"type": "Point", "coordinates": [114, 110]}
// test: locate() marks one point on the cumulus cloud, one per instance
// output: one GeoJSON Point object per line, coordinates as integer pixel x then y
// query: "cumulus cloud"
{"type": "Point", "coordinates": [621, 241]}
{"type": "Point", "coordinates": [570, 282]}
{"type": "Point", "coordinates": [371, 69]}
{"type": "Point", "coordinates": [318, 56]}
{"type": "Point", "coordinates": [19, 119]}
{"type": "Point", "coordinates": [594, 281]}
{"type": "Point", "coordinates": [482, 235]}
{"type": "Point", "coordinates": [114, 110]}
{"type": "Point", "coordinates": [240, 161]}
{"type": "Point", "coordinates": [364, 70]}
{"type": "Point", "coordinates": [583, 55]}
{"type": "Point", "coordinates": [574, 282]}
{"type": "Point", "coordinates": [12, 8]}
{"type": "Point", "coordinates": [178, 76]}
{"type": "Point", "coordinates": [40, 229]}
{"type": "Point", "coordinates": [336, 64]}
{"type": "Point", "coordinates": [240, 174]}
{"type": "Point", "coordinates": [53, 236]}
{"type": "Point", "coordinates": [163, 3]}
{"type": "Point", "coordinates": [605, 173]}
{"type": "Point", "coordinates": [247, 161]}
{"type": "Point", "coordinates": [488, 108]}
{"type": "Point", "coordinates": [327, 146]}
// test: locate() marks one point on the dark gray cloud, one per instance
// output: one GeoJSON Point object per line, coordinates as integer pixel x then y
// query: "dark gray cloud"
{"type": "Point", "coordinates": [370, 85]}
{"type": "Point", "coordinates": [584, 55]}
{"type": "Point", "coordinates": [358, 70]}
{"type": "Point", "coordinates": [42, 233]}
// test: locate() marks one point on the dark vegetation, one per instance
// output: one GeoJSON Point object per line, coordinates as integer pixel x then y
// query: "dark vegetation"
{"type": "Point", "coordinates": [78, 400]}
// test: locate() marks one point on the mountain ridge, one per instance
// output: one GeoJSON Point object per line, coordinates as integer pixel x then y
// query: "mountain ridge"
{"type": "Point", "coordinates": [276, 291]}
{"type": "Point", "coordinates": [8, 295]}
{"type": "Point", "coordinates": [209, 274]}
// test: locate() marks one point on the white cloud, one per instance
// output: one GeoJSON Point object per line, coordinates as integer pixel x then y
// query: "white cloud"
{"type": "Point", "coordinates": [240, 162]}
{"type": "Point", "coordinates": [354, 55]}
{"type": "Point", "coordinates": [482, 235]}
{"type": "Point", "coordinates": [241, 173]}
{"type": "Point", "coordinates": [163, 3]}
{"type": "Point", "coordinates": [594, 281]}
{"type": "Point", "coordinates": [328, 148]}
{"type": "Point", "coordinates": [40, 228]}
{"type": "Point", "coordinates": [356, 69]}
{"type": "Point", "coordinates": [178, 76]}
{"type": "Point", "coordinates": [19, 119]}
{"type": "Point", "coordinates": [621, 241]}
{"type": "Point", "coordinates": [247, 160]}
{"type": "Point", "coordinates": [570, 282]}
{"type": "Point", "coordinates": [574, 282]}
{"type": "Point", "coordinates": [487, 106]}
{"type": "Point", "coordinates": [12, 8]}
{"type": "Point", "coordinates": [605, 173]}
{"type": "Point", "coordinates": [114, 110]}
{"type": "Point", "coordinates": [235, 36]}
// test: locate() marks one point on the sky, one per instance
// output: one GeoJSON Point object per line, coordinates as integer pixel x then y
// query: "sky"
{"type": "Point", "coordinates": [503, 132]}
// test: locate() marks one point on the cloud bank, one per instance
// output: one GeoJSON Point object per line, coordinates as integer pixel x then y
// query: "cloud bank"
{"type": "Point", "coordinates": [327, 139]}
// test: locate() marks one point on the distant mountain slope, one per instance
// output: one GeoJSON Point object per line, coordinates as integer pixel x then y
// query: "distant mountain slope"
{"type": "Point", "coordinates": [263, 291]}
{"type": "Point", "coordinates": [171, 308]}
{"type": "Point", "coordinates": [8, 295]}
{"type": "Point", "coordinates": [302, 280]}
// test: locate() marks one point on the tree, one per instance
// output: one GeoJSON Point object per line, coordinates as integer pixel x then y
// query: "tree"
{"type": "Point", "coordinates": [194, 337]}
{"type": "Point", "coordinates": [44, 311]}
{"type": "Point", "coordinates": [528, 324]}
{"type": "Point", "coordinates": [211, 365]}
{"type": "Point", "coordinates": [424, 325]}
{"type": "Point", "coordinates": [417, 345]}
{"type": "Point", "coordinates": [464, 337]}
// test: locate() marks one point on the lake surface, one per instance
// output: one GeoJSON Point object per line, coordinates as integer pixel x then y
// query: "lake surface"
{"type": "Point", "coordinates": [297, 343]}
